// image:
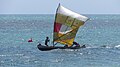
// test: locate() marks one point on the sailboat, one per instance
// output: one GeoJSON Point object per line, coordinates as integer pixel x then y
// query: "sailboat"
{"type": "Point", "coordinates": [66, 25]}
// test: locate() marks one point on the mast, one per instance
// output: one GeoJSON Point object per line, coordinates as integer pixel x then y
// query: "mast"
{"type": "Point", "coordinates": [54, 23]}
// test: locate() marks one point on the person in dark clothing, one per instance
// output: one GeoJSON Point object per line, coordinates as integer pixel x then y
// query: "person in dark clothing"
{"type": "Point", "coordinates": [66, 46]}
{"type": "Point", "coordinates": [47, 40]}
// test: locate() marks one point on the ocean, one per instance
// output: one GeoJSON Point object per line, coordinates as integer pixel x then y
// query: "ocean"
{"type": "Point", "coordinates": [101, 35]}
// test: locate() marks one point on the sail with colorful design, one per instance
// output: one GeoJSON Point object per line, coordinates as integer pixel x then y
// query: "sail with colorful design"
{"type": "Point", "coordinates": [66, 25]}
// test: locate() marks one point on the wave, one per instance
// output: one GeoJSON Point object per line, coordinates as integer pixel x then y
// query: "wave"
{"type": "Point", "coordinates": [118, 46]}
{"type": "Point", "coordinates": [104, 46]}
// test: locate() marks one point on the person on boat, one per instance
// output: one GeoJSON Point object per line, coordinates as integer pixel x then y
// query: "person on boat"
{"type": "Point", "coordinates": [66, 46]}
{"type": "Point", "coordinates": [76, 44]}
{"type": "Point", "coordinates": [46, 41]}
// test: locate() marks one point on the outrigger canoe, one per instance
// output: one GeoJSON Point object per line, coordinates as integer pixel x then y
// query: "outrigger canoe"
{"type": "Point", "coordinates": [47, 48]}
{"type": "Point", "coordinates": [66, 26]}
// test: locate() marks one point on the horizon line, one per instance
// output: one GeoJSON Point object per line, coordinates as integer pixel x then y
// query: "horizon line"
{"type": "Point", "coordinates": [53, 14]}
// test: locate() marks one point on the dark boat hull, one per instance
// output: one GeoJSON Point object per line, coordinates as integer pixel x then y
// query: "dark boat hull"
{"type": "Point", "coordinates": [47, 48]}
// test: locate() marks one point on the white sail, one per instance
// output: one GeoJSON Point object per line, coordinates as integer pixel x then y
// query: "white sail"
{"type": "Point", "coordinates": [67, 12]}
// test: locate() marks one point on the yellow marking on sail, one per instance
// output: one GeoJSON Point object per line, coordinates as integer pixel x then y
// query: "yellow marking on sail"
{"type": "Point", "coordinates": [68, 42]}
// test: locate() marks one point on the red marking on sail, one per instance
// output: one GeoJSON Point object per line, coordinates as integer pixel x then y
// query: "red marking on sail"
{"type": "Point", "coordinates": [57, 27]}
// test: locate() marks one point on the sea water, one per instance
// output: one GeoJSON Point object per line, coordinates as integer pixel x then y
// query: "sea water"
{"type": "Point", "coordinates": [101, 35]}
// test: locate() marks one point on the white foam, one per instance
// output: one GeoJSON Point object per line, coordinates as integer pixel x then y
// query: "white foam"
{"type": "Point", "coordinates": [117, 46]}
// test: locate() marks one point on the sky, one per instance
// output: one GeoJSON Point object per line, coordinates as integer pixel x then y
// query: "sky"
{"type": "Point", "coordinates": [49, 6]}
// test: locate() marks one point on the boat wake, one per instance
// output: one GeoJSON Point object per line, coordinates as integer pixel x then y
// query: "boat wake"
{"type": "Point", "coordinates": [118, 46]}
{"type": "Point", "coordinates": [104, 46]}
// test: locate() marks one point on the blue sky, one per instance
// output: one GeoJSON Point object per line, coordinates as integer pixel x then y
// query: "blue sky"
{"type": "Point", "coordinates": [49, 6]}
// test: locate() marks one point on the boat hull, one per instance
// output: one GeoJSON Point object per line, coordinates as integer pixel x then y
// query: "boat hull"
{"type": "Point", "coordinates": [47, 48]}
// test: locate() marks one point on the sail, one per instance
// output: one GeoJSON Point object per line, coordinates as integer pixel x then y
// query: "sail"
{"type": "Point", "coordinates": [66, 25]}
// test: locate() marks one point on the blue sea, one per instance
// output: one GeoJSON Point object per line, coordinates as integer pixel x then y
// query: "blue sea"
{"type": "Point", "coordinates": [101, 35]}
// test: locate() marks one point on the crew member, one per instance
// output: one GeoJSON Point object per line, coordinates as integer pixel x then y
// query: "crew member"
{"type": "Point", "coordinates": [46, 41]}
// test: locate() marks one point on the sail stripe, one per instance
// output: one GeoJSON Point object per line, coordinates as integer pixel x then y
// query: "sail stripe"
{"type": "Point", "coordinates": [73, 22]}
{"type": "Point", "coordinates": [69, 44]}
